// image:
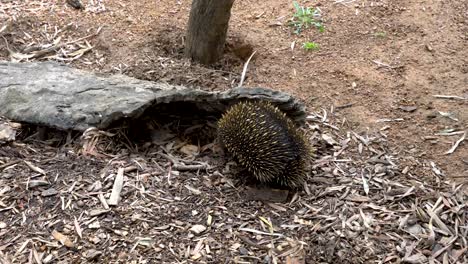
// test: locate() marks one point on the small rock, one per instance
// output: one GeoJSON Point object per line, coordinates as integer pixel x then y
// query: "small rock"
{"type": "Point", "coordinates": [408, 108]}
{"type": "Point", "coordinates": [49, 192]}
{"type": "Point", "coordinates": [429, 48]}
{"type": "Point", "coordinates": [7, 133]}
{"type": "Point", "coordinates": [415, 229]}
{"type": "Point", "coordinates": [198, 229]}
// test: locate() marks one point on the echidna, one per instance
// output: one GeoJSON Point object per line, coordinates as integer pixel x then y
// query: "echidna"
{"type": "Point", "coordinates": [266, 143]}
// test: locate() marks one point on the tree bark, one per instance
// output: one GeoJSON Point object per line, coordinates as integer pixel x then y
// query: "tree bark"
{"type": "Point", "coordinates": [207, 29]}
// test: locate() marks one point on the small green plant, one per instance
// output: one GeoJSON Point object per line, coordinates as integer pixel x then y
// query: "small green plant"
{"type": "Point", "coordinates": [380, 34]}
{"type": "Point", "coordinates": [304, 17]}
{"type": "Point", "coordinates": [311, 46]}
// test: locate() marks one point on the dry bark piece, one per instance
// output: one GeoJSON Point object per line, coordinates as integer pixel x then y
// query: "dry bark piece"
{"type": "Point", "coordinates": [198, 229]}
{"type": "Point", "coordinates": [97, 212]}
{"type": "Point", "coordinates": [63, 239]}
{"type": "Point", "coordinates": [408, 108]}
{"type": "Point", "coordinates": [117, 188]}
{"type": "Point", "coordinates": [49, 192]}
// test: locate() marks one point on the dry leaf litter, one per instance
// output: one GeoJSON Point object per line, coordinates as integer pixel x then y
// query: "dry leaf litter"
{"type": "Point", "coordinates": [101, 197]}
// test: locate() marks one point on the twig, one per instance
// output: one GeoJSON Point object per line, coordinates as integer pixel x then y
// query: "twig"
{"type": "Point", "coordinates": [390, 120]}
{"type": "Point", "coordinates": [455, 146]}
{"type": "Point", "coordinates": [8, 164]}
{"type": "Point", "coordinates": [381, 64]}
{"type": "Point", "coordinates": [244, 71]}
{"type": "Point", "coordinates": [251, 243]}
{"type": "Point", "coordinates": [344, 2]}
{"type": "Point", "coordinates": [450, 97]}
{"type": "Point", "coordinates": [450, 133]}
{"type": "Point", "coordinates": [183, 167]}
{"type": "Point", "coordinates": [343, 106]}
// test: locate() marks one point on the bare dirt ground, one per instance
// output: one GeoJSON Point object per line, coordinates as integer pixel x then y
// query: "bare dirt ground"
{"type": "Point", "coordinates": [370, 88]}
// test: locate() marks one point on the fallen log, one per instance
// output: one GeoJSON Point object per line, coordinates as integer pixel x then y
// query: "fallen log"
{"type": "Point", "coordinates": [58, 96]}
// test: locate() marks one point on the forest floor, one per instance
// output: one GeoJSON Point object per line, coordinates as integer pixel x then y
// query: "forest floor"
{"type": "Point", "coordinates": [390, 76]}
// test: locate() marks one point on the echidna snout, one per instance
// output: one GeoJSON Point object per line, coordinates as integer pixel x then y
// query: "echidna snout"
{"type": "Point", "coordinates": [266, 143]}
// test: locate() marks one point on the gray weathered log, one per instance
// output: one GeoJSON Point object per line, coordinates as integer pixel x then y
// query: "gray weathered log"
{"type": "Point", "coordinates": [207, 29]}
{"type": "Point", "coordinates": [50, 94]}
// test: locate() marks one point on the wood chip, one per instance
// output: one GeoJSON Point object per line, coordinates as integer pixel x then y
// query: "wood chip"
{"type": "Point", "coordinates": [77, 227]}
{"type": "Point", "coordinates": [63, 239]}
{"type": "Point", "coordinates": [198, 229]}
{"type": "Point", "coordinates": [117, 188]}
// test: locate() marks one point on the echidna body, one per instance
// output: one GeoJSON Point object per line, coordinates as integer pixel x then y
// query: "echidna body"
{"type": "Point", "coordinates": [266, 143]}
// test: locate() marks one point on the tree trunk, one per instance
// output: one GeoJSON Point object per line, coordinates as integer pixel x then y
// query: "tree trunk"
{"type": "Point", "coordinates": [207, 29]}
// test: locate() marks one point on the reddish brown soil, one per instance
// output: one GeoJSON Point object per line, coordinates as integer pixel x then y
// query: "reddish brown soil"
{"type": "Point", "coordinates": [424, 43]}
{"type": "Point", "coordinates": [423, 48]}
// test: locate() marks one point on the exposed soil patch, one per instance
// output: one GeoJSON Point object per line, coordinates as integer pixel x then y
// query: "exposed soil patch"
{"type": "Point", "coordinates": [375, 57]}
{"type": "Point", "coordinates": [379, 65]}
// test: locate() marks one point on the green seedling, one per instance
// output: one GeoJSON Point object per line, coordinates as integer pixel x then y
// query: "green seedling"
{"type": "Point", "coordinates": [304, 17]}
{"type": "Point", "coordinates": [380, 34]}
{"type": "Point", "coordinates": [311, 46]}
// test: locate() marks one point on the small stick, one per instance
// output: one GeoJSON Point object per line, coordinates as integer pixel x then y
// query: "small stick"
{"type": "Point", "coordinates": [244, 71]}
{"type": "Point", "coordinates": [344, 106]}
{"type": "Point", "coordinates": [182, 167]}
{"type": "Point", "coordinates": [251, 243]}
{"type": "Point", "coordinates": [450, 97]}
{"type": "Point", "coordinates": [455, 146]}
{"type": "Point", "coordinates": [381, 64]}
{"type": "Point", "coordinates": [8, 164]}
